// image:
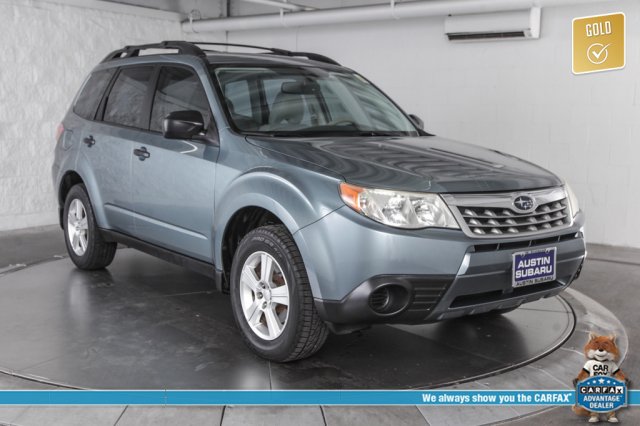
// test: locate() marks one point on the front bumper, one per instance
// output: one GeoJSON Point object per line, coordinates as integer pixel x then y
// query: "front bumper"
{"type": "Point", "coordinates": [431, 275]}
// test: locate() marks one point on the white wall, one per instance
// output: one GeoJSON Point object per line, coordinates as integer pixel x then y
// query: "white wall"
{"type": "Point", "coordinates": [515, 96]}
{"type": "Point", "coordinates": [47, 51]}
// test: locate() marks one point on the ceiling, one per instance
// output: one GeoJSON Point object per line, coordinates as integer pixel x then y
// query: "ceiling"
{"type": "Point", "coordinates": [207, 8]}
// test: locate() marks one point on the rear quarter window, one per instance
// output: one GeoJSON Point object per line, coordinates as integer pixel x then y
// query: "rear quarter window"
{"type": "Point", "coordinates": [91, 93]}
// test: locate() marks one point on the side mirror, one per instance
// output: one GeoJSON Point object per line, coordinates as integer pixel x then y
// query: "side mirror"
{"type": "Point", "coordinates": [417, 121]}
{"type": "Point", "coordinates": [182, 124]}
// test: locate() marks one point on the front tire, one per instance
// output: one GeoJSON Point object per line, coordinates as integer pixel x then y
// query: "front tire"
{"type": "Point", "coordinates": [86, 247]}
{"type": "Point", "coordinates": [271, 297]}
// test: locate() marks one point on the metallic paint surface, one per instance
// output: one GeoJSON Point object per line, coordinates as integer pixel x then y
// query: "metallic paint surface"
{"type": "Point", "coordinates": [183, 196]}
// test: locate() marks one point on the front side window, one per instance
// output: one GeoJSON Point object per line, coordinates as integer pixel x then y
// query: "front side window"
{"type": "Point", "coordinates": [127, 98]}
{"type": "Point", "coordinates": [307, 101]}
{"type": "Point", "coordinates": [89, 98]}
{"type": "Point", "coordinates": [178, 89]}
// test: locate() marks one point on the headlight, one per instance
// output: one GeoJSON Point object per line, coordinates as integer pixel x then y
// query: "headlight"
{"type": "Point", "coordinates": [410, 210]}
{"type": "Point", "coordinates": [573, 200]}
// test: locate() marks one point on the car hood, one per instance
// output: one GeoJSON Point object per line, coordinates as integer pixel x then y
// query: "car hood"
{"type": "Point", "coordinates": [427, 163]}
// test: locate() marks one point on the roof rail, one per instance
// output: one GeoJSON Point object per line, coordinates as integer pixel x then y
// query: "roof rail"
{"type": "Point", "coordinates": [275, 51]}
{"type": "Point", "coordinates": [309, 55]}
{"type": "Point", "coordinates": [183, 47]}
{"type": "Point", "coordinates": [191, 48]}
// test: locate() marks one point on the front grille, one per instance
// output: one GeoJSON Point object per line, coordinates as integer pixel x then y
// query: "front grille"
{"type": "Point", "coordinates": [495, 215]}
{"type": "Point", "coordinates": [499, 221]}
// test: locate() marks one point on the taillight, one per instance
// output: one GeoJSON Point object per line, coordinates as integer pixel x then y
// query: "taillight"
{"type": "Point", "coordinates": [59, 131]}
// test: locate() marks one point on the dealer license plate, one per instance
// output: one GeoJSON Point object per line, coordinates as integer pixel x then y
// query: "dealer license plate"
{"type": "Point", "coordinates": [534, 267]}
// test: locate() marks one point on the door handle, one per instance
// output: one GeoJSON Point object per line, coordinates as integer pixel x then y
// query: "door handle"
{"type": "Point", "coordinates": [141, 153]}
{"type": "Point", "coordinates": [89, 141]}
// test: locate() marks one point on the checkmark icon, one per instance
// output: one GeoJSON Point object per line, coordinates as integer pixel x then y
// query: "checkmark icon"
{"type": "Point", "coordinates": [597, 53]}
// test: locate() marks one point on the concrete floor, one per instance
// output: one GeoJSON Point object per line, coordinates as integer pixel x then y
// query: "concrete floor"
{"type": "Point", "coordinates": [84, 329]}
{"type": "Point", "coordinates": [611, 276]}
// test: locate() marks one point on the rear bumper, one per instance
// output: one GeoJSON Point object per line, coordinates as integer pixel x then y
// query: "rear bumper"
{"type": "Point", "coordinates": [439, 276]}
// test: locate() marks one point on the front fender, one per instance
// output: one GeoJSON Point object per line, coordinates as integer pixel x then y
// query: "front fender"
{"type": "Point", "coordinates": [297, 198]}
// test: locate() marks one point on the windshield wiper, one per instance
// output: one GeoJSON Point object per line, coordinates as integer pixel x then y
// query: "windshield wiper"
{"type": "Point", "coordinates": [278, 134]}
{"type": "Point", "coordinates": [326, 133]}
{"type": "Point", "coordinates": [381, 133]}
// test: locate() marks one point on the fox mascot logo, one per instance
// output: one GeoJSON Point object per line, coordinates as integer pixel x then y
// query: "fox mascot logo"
{"type": "Point", "coordinates": [602, 354]}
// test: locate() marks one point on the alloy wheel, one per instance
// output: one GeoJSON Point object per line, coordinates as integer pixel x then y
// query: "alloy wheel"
{"type": "Point", "coordinates": [264, 295]}
{"type": "Point", "coordinates": [77, 227]}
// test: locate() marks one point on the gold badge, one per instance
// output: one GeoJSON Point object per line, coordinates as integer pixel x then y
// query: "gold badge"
{"type": "Point", "coordinates": [598, 43]}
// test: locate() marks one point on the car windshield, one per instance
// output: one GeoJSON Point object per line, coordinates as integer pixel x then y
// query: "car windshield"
{"type": "Point", "coordinates": [308, 101]}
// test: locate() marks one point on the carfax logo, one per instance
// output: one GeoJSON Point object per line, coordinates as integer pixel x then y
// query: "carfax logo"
{"type": "Point", "coordinates": [601, 387]}
{"type": "Point", "coordinates": [601, 394]}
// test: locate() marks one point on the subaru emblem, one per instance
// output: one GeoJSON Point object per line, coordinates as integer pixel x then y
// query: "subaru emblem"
{"type": "Point", "coordinates": [524, 203]}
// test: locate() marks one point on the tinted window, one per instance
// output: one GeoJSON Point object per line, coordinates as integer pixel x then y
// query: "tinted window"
{"type": "Point", "coordinates": [178, 90]}
{"type": "Point", "coordinates": [91, 94]}
{"type": "Point", "coordinates": [126, 101]}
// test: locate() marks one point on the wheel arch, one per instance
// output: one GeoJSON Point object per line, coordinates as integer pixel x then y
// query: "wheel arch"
{"type": "Point", "coordinates": [68, 181]}
{"type": "Point", "coordinates": [239, 225]}
{"type": "Point", "coordinates": [273, 199]}
{"type": "Point", "coordinates": [84, 175]}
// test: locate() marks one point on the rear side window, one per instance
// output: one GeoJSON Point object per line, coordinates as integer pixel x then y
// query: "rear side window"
{"type": "Point", "coordinates": [126, 102]}
{"type": "Point", "coordinates": [178, 89]}
{"type": "Point", "coordinates": [91, 94]}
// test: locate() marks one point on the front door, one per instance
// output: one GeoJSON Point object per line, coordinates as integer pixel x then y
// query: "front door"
{"type": "Point", "coordinates": [173, 180]}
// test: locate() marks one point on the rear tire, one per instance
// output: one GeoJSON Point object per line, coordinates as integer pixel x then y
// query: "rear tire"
{"type": "Point", "coordinates": [276, 313]}
{"type": "Point", "coordinates": [85, 245]}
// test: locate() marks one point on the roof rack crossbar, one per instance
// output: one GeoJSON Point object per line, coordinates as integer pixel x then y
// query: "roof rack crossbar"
{"type": "Point", "coordinates": [191, 48]}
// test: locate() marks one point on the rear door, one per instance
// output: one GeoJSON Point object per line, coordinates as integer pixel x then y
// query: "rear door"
{"type": "Point", "coordinates": [108, 143]}
{"type": "Point", "coordinates": [173, 181]}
